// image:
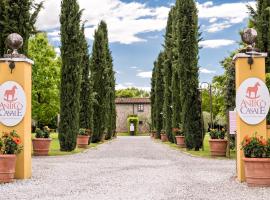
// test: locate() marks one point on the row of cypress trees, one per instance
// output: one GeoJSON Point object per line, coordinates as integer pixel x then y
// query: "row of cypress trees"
{"type": "Point", "coordinates": [174, 94]}
{"type": "Point", "coordinates": [17, 16]}
{"type": "Point", "coordinates": [87, 96]}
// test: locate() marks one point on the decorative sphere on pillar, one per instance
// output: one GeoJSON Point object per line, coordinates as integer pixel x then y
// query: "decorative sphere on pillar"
{"type": "Point", "coordinates": [14, 41]}
{"type": "Point", "coordinates": [249, 36]}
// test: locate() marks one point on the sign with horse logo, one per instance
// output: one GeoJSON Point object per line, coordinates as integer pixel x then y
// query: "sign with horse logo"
{"type": "Point", "coordinates": [12, 103]}
{"type": "Point", "coordinates": [252, 101]}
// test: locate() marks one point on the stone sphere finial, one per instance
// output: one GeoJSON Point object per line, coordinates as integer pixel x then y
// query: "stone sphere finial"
{"type": "Point", "coordinates": [249, 36]}
{"type": "Point", "coordinates": [14, 41]}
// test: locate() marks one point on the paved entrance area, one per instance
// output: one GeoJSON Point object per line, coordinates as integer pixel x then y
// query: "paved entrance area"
{"type": "Point", "coordinates": [131, 168]}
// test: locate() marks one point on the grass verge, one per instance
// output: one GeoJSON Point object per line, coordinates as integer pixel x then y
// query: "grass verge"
{"type": "Point", "coordinates": [55, 147]}
{"type": "Point", "coordinates": [201, 153]}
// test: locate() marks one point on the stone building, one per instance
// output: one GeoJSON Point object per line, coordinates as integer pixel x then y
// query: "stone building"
{"type": "Point", "coordinates": [133, 106]}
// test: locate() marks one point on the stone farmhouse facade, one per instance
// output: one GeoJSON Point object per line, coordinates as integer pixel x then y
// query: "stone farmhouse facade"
{"type": "Point", "coordinates": [133, 106]}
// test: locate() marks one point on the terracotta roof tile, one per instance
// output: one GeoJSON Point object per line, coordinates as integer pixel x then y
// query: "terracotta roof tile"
{"type": "Point", "coordinates": [132, 101]}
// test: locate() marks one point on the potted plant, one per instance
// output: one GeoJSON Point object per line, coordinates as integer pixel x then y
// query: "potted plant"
{"type": "Point", "coordinates": [153, 132]}
{"type": "Point", "coordinates": [257, 160]}
{"type": "Point", "coordinates": [218, 143]}
{"type": "Point", "coordinates": [164, 137]}
{"type": "Point", "coordinates": [179, 136]}
{"type": "Point", "coordinates": [10, 146]}
{"type": "Point", "coordinates": [41, 142]}
{"type": "Point", "coordinates": [83, 138]}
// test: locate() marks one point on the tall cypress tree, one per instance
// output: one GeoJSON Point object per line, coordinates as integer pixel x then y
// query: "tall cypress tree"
{"type": "Point", "coordinates": [70, 19]}
{"type": "Point", "coordinates": [99, 73]}
{"type": "Point", "coordinates": [109, 85]}
{"type": "Point", "coordinates": [18, 16]}
{"type": "Point", "coordinates": [167, 104]}
{"type": "Point", "coordinates": [153, 97]}
{"type": "Point", "coordinates": [176, 77]}
{"type": "Point", "coordinates": [188, 58]}
{"type": "Point", "coordinates": [86, 112]}
{"type": "Point", "coordinates": [159, 94]}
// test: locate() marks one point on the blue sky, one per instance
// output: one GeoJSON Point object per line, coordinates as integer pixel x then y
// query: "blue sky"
{"type": "Point", "coordinates": [136, 29]}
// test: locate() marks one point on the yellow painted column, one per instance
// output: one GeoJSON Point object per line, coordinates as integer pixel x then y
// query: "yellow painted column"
{"type": "Point", "coordinates": [242, 72]}
{"type": "Point", "coordinates": [22, 74]}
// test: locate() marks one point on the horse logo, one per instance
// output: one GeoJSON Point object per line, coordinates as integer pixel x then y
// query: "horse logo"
{"type": "Point", "coordinates": [253, 90]}
{"type": "Point", "coordinates": [10, 93]}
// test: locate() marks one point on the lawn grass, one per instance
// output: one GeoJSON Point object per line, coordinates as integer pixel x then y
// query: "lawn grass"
{"type": "Point", "coordinates": [55, 147]}
{"type": "Point", "coordinates": [201, 153]}
{"type": "Point", "coordinates": [139, 134]}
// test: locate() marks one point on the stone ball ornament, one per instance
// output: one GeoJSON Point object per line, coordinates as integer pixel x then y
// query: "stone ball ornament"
{"type": "Point", "coordinates": [14, 41]}
{"type": "Point", "coordinates": [249, 36]}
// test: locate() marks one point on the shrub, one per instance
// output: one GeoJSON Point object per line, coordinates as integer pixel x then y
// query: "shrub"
{"type": "Point", "coordinates": [217, 134]}
{"type": "Point", "coordinates": [177, 132]}
{"type": "Point", "coordinates": [45, 133]}
{"type": "Point", "coordinates": [10, 143]}
{"type": "Point", "coordinates": [256, 147]}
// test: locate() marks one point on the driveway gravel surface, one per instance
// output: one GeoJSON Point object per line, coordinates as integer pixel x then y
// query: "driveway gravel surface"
{"type": "Point", "coordinates": [131, 168]}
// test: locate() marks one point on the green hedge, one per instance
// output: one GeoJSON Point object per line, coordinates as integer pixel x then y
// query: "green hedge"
{"type": "Point", "coordinates": [135, 120]}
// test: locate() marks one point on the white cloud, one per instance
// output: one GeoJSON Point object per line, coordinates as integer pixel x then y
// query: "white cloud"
{"type": "Point", "coordinates": [123, 86]}
{"type": "Point", "coordinates": [133, 67]}
{"type": "Point", "coordinates": [206, 71]}
{"type": "Point", "coordinates": [145, 74]}
{"type": "Point", "coordinates": [216, 43]}
{"type": "Point", "coordinates": [228, 13]}
{"type": "Point", "coordinates": [125, 20]}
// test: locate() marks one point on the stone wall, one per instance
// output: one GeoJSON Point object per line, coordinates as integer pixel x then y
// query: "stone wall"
{"type": "Point", "coordinates": [124, 110]}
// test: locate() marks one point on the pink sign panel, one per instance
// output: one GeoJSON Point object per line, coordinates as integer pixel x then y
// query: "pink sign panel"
{"type": "Point", "coordinates": [232, 117]}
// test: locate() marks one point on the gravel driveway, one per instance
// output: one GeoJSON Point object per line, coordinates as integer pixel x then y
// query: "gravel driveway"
{"type": "Point", "coordinates": [134, 168]}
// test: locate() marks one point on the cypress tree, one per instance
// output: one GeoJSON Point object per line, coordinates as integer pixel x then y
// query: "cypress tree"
{"type": "Point", "coordinates": [167, 104]}
{"type": "Point", "coordinates": [17, 17]}
{"type": "Point", "coordinates": [109, 85]}
{"type": "Point", "coordinates": [188, 58]}
{"type": "Point", "coordinates": [70, 19]}
{"type": "Point", "coordinates": [263, 28]}
{"type": "Point", "coordinates": [153, 96]}
{"type": "Point", "coordinates": [86, 111]}
{"type": "Point", "coordinates": [99, 74]}
{"type": "Point", "coordinates": [176, 78]}
{"type": "Point", "coordinates": [159, 94]}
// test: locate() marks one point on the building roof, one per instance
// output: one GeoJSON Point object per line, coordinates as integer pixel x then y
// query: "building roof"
{"type": "Point", "coordinates": [132, 101]}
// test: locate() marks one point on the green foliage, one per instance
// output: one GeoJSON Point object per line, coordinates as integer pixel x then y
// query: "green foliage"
{"type": "Point", "coordinates": [45, 79]}
{"type": "Point", "coordinates": [135, 120]}
{"type": "Point", "coordinates": [188, 59]}
{"type": "Point", "coordinates": [10, 143]}
{"type": "Point", "coordinates": [159, 94]}
{"type": "Point", "coordinates": [131, 93]}
{"type": "Point", "coordinates": [18, 16]}
{"type": "Point", "coordinates": [260, 19]}
{"type": "Point", "coordinates": [45, 133]}
{"type": "Point", "coordinates": [153, 97]}
{"type": "Point", "coordinates": [103, 80]}
{"type": "Point", "coordinates": [217, 134]}
{"type": "Point", "coordinates": [86, 95]}
{"type": "Point", "coordinates": [168, 55]}
{"type": "Point", "coordinates": [70, 19]}
{"type": "Point", "coordinates": [256, 147]}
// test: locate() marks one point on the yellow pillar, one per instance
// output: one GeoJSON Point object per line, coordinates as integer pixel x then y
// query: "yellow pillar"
{"type": "Point", "coordinates": [22, 74]}
{"type": "Point", "coordinates": [242, 72]}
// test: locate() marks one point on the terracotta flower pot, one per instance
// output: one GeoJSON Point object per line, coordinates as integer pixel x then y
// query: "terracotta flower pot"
{"type": "Point", "coordinates": [257, 171]}
{"type": "Point", "coordinates": [218, 147]}
{"type": "Point", "coordinates": [268, 126]}
{"type": "Point", "coordinates": [164, 138]}
{"type": "Point", "coordinates": [82, 141]}
{"type": "Point", "coordinates": [41, 146]}
{"type": "Point", "coordinates": [180, 141]}
{"type": "Point", "coordinates": [7, 168]}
